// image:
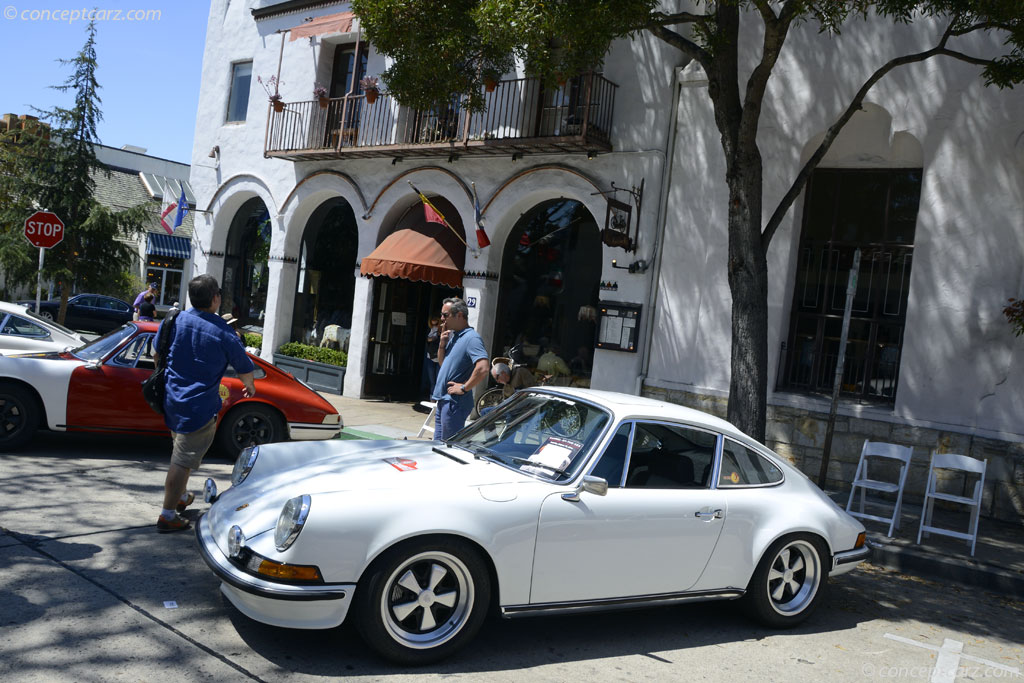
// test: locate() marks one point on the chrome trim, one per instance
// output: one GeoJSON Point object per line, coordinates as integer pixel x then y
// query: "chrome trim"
{"type": "Point", "coordinates": [233, 576]}
{"type": "Point", "coordinates": [513, 611]}
{"type": "Point", "coordinates": [850, 556]}
{"type": "Point", "coordinates": [315, 426]}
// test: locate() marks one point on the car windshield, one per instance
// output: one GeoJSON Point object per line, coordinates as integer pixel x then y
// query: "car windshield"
{"type": "Point", "coordinates": [100, 348]}
{"type": "Point", "coordinates": [540, 434]}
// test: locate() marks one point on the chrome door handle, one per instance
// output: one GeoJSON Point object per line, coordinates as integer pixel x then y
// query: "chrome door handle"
{"type": "Point", "coordinates": [717, 514]}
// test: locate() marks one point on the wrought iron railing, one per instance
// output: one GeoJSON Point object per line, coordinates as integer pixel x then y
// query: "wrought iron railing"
{"type": "Point", "coordinates": [517, 110]}
{"type": "Point", "coordinates": [874, 379]}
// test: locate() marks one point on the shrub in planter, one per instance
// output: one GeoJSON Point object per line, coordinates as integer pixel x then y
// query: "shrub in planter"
{"type": "Point", "coordinates": [252, 339]}
{"type": "Point", "coordinates": [319, 354]}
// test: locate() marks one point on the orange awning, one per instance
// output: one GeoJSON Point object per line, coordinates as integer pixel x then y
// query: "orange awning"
{"type": "Point", "coordinates": [331, 23]}
{"type": "Point", "coordinates": [416, 254]}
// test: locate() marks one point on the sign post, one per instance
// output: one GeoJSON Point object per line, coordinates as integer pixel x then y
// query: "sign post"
{"type": "Point", "coordinates": [44, 230]}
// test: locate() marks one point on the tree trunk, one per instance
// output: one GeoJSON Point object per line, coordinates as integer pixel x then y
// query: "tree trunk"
{"type": "Point", "coordinates": [748, 283]}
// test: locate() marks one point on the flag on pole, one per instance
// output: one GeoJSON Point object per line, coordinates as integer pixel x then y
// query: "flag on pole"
{"type": "Point", "coordinates": [432, 215]}
{"type": "Point", "coordinates": [163, 217]}
{"type": "Point", "coordinates": [481, 234]}
{"type": "Point", "coordinates": [182, 209]}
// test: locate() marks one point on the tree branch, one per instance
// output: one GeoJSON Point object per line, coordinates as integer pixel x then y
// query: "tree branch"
{"type": "Point", "coordinates": [855, 104]}
{"type": "Point", "coordinates": [684, 45]}
{"type": "Point", "coordinates": [664, 19]}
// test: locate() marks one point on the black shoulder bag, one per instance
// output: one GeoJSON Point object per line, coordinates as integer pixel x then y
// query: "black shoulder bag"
{"type": "Point", "coordinates": [154, 388]}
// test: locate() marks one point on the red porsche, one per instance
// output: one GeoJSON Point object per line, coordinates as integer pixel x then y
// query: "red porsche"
{"type": "Point", "coordinates": [97, 388]}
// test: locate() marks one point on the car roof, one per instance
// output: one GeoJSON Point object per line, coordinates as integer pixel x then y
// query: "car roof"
{"type": "Point", "coordinates": [626, 405]}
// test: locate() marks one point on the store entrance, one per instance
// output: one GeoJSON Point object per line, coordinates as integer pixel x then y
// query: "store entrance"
{"type": "Point", "coordinates": [396, 351]}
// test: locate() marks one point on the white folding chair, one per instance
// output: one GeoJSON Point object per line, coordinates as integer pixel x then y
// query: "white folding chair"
{"type": "Point", "coordinates": [876, 453]}
{"type": "Point", "coordinates": [428, 425]}
{"type": "Point", "coordinates": [967, 466]}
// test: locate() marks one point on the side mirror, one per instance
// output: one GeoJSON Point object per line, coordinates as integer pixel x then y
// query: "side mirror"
{"type": "Point", "coordinates": [590, 484]}
{"type": "Point", "coordinates": [92, 365]}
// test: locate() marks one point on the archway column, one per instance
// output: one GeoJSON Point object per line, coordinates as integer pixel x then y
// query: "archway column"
{"type": "Point", "coordinates": [362, 310]}
{"type": "Point", "coordinates": [277, 321]}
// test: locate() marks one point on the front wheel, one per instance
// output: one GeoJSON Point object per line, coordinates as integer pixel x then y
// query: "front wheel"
{"type": "Point", "coordinates": [422, 601]}
{"type": "Point", "coordinates": [46, 315]}
{"type": "Point", "coordinates": [489, 399]}
{"type": "Point", "coordinates": [249, 424]}
{"type": "Point", "coordinates": [789, 581]}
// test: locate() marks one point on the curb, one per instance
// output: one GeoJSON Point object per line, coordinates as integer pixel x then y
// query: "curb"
{"type": "Point", "coordinates": [961, 571]}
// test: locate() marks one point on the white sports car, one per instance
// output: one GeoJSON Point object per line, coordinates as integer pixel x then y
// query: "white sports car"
{"type": "Point", "coordinates": [560, 500]}
{"type": "Point", "coordinates": [22, 331]}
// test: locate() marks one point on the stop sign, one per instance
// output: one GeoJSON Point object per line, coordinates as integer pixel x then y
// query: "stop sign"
{"type": "Point", "coordinates": [44, 229]}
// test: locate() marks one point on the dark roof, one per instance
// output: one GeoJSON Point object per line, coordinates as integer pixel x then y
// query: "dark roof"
{"type": "Point", "coordinates": [123, 189]}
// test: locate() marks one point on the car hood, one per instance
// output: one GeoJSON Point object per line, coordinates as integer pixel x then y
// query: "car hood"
{"type": "Point", "coordinates": [283, 471]}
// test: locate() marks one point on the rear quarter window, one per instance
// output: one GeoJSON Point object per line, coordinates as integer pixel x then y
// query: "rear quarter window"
{"type": "Point", "coordinates": [742, 466]}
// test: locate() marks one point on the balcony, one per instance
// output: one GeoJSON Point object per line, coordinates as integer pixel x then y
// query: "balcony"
{"type": "Point", "coordinates": [521, 116]}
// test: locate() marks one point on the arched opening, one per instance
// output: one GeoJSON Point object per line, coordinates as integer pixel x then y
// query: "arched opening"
{"type": "Point", "coordinates": [326, 282]}
{"type": "Point", "coordinates": [550, 282]}
{"type": "Point", "coordinates": [414, 269]}
{"type": "Point", "coordinates": [246, 276]}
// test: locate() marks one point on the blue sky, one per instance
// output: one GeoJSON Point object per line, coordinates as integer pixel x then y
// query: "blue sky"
{"type": "Point", "coordinates": [149, 67]}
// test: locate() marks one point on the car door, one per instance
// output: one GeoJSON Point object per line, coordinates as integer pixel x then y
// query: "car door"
{"type": "Point", "coordinates": [654, 531]}
{"type": "Point", "coordinates": [79, 313]}
{"type": "Point", "coordinates": [112, 312]}
{"type": "Point", "coordinates": [108, 396]}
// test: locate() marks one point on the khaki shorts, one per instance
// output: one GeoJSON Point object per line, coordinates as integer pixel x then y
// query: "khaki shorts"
{"type": "Point", "coordinates": [189, 449]}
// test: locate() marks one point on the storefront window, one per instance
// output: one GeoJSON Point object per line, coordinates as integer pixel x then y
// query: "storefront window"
{"type": "Point", "coordinates": [167, 273]}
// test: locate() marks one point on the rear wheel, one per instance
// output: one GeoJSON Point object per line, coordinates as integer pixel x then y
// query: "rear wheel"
{"type": "Point", "coordinates": [423, 600]}
{"type": "Point", "coordinates": [19, 416]}
{"type": "Point", "coordinates": [489, 399]}
{"type": "Point", "coordinates": [47, 315]}
{"type": "Point", "coordinates": [789, 581]}
{"type": "Point", "coordinates": [249, 424]}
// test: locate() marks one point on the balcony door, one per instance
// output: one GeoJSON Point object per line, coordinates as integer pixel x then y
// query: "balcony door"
{"type": "Point", "coordinates": [344, 114]}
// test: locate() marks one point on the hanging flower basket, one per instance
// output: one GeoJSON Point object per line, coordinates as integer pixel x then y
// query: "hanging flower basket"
{"type": "Point", "coordinates": [324, 102]}
{"type": "Point", "coordinates": [490, 84]}
{"type": "Point", "coordinates": [278, 105]}
{"type": "Point", "coordinates": [371, 95]}
{"type": "Point", "coordinates": [320, 93]}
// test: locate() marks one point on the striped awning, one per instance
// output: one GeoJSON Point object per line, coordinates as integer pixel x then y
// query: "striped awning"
{"type": "Point", "coordinates": [168, 245]}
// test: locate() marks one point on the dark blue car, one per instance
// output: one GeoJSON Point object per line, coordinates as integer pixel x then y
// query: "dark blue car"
{"type": "Point", "coordinates": [90, 312]}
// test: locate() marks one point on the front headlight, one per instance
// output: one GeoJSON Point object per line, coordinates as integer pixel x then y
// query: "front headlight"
{"type": "Point", "coordinates": [246, 459]}
{"type": "Point", "coordinates": [289, 524]}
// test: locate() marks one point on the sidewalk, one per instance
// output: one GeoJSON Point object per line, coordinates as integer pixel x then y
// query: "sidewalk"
{"type": "Point", "coordinates": [997, 565]}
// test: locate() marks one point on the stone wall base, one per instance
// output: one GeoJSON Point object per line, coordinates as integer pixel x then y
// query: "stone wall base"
{"type": "Point", "coordinates": [798, 435]}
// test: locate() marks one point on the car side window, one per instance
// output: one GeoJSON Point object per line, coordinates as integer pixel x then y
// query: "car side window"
{"type": "Point", "coordinates": [742, 466]}
{"type": "Point", "coordinates": [23, 328]}
{"type": "Point", "coordinates": [613, 460]}
{"type": "Point", "coordinates": [86, 301]}
{"type": "Point", "coordinates": [138, 353]}
{"type": "Point", "coordinates": [257, 373]}
{"type": "Point", "coordinates": [667, 456]}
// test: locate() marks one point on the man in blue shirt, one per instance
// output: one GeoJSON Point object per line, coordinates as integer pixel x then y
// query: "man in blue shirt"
{"type": "Point", "coordinates": [202, 346]}
{"type": "Point", "coordinates": [464, 364]}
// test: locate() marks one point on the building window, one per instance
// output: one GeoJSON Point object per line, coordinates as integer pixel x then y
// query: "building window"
{"type": "Point", "coordinates": [845, 210]}
{"type": "Point", "coordinates": [238, 100]}
{"type": "Point", "coordinates": [166, 272]}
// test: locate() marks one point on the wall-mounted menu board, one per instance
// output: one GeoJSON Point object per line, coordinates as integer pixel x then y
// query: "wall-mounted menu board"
{"type": "Point", "coordinates": [619, 328]}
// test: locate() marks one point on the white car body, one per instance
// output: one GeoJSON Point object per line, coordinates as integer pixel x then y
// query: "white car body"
{"type": "Point", "coordinates": [22, 331]}
{"type": "Point", "coordinates": [552, 545]}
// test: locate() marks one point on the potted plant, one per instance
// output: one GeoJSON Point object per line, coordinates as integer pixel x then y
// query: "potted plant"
{"type": "Point", "coordinates": [490, 84]}
{"type": "Point", "coordinates": [369, 86]}
{"type": "Point", "coordinates": [320, 92]}
{"type": "Point", "coordinates": [272, 86]}
{"type": "Point", "coordinates": [320, 367]}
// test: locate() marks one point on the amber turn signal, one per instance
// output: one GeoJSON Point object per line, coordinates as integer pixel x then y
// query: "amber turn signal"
{"type": "Point", "coordinates": [290, 572]}
{"type": "Point", "coordinates": [861, 538]}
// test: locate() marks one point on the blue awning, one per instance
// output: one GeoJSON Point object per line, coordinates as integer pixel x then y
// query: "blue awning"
{"type": "Point", "coordinates": [168, 245]}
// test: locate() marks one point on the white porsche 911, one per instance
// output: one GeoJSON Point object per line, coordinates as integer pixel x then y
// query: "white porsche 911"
{"type": "Point", "coordinates": [561, 500]}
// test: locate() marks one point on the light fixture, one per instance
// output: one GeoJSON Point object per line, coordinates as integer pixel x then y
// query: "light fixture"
{"type": "Point", "coordinates": [452, 157]}
{"type": "Point", "coordinates": [516, 156]}
{"type": "Point", "coordinates": [215, 152]}
{"type": "Point", "coordinates": [591, 155]}
{"type": "Point", "coordinates": [638, 266]}
{"type": "Point", "coordinates": [396, 160]}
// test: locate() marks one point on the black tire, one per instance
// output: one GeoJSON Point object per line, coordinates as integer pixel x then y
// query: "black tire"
{"type": "Point", "coordinates": [789, 581]}
{"type": "Point", "coordinates": [249, 424]}
{"type": "Point", "coordinates": [19, 416]}
{"type": "Point", "coordinates": [405, 619]}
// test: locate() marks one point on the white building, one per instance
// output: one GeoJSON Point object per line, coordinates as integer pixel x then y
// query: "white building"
{"type": "Point", "coordinates": [926, 181]}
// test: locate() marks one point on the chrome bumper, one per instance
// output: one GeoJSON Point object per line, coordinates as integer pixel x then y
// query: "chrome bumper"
{"type": "Point", "coordinates": [849, 559]}
{"type": "Point", "coordinates": [235, 577]}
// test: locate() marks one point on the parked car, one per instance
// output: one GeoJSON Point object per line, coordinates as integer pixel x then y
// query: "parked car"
{"type": "Point", "coordinates": [21, 331]}
{"type": "Point", "coordinates": [98, 388]}
{"type": "Point", "coordinates": [560, 500]}
{"type": "Point", "coordinates": [90, 312]}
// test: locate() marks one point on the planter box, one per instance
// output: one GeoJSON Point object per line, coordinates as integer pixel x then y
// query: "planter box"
{"type": "Point", "coordinates": [320, 376]}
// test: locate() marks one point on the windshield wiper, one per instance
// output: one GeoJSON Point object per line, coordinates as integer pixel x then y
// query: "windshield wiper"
{"type": "Point", "coordinates": [441, 451]}
{"type": "Point", "coordinates": [477, 450]}
{"type": "Point", "coordinates": [533, 463]}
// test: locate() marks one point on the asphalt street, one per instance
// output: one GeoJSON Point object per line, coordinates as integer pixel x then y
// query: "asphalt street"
{"type": "Point", "coordinates": [90, 592]}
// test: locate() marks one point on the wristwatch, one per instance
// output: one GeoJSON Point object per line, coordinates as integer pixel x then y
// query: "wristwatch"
{"type": "Point", "coordinates": [463, 388]}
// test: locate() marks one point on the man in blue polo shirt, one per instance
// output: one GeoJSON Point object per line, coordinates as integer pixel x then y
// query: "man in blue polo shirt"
{"type": "Point", "coordinates": [464, 364]}
{"type": "Point", "coordinates": [202, 346]}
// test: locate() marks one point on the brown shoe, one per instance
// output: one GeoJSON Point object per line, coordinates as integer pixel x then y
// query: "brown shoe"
{"type": "Point", "coordinates": [179, 523]}
{"type": "Point", "coordinates": [182, 504]}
